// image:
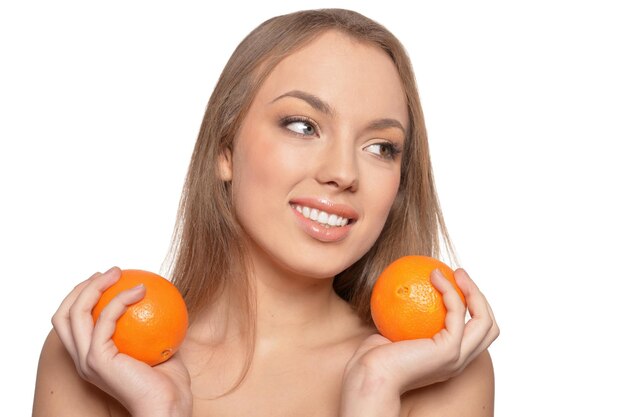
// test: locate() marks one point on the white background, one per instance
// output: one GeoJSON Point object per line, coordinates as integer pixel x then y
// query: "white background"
{"type": "Point", "coordinates": [524, 102]}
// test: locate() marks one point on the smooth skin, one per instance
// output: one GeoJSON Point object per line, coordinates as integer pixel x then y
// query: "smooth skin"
{"type": "Point", "coordinates": [313, 356]}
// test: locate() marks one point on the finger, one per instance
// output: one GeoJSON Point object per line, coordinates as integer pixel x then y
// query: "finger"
{"type": "Point", "coordinates": [494, 326]}
{"type": "Point", "coordinates": [476, 336]}
{"type": "Point", "coordinates": [102, 344]}
{"type": "Point", "coordinates": [494, 331]}
{"type": "Point", "coordinates": [455, 315]}
{"type": "Point", "coordinates": [61, 318]}
{"type": "Point", "coordinates": [480, 310]}
{"type": "Point", "coordinates": [175, 368]}
{"type": "Point", "coordinates": [370, 343]}
{"type": "Point", "coordinates": [81, 320]}
{"type": "Point", "coordinates": [484, 344]}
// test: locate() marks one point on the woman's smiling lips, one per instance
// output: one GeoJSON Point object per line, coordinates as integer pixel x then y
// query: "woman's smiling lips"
{"type": "Point", "coordinates": [323, 219]}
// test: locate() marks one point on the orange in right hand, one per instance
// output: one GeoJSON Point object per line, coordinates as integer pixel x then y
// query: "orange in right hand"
{"type": "Point", "coordinates": [152, 329]}
{"type": "Point", "coordinates": [404, 304]}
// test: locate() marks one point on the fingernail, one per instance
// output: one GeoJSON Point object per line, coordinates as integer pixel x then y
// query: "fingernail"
{"type": "Point", "coordinates": [109, 270]}
{"type": "Point", "coordinates": [138, 287]}
{"type": "Point", "coordinates": [437, 272]}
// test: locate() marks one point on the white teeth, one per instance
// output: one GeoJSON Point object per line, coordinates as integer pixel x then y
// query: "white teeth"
{"type": "Point", "coordinates": [321, 216]}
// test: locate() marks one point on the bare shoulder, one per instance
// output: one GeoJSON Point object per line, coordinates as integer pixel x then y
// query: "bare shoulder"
{"type": "Point", "coordinates": [60, 391]}
{"type": "Point", "coordinates": [469, 394]}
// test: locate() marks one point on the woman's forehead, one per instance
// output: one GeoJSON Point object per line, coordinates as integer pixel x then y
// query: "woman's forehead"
{"type": "Point", "coordinates": [342, 71]}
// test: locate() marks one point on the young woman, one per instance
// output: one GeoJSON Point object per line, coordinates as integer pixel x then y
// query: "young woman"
{"type": "Point", "coordinates": [311, 173]}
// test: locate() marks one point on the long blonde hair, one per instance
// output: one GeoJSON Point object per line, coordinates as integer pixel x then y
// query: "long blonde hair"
{"type": "Point", "coordinates": [208, 251]}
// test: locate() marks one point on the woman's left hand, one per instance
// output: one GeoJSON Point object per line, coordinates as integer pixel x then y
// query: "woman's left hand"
{"type": "Point", "coordinates": [390, 369]}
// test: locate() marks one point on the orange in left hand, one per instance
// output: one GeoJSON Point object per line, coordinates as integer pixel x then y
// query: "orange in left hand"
{"type": "Point", "coordinates": [152, 329]}
{"type": "Point", "coordinates": [404, 304]}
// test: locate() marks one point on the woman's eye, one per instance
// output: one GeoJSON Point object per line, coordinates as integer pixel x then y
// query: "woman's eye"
{"type": "Point", "coordinates": [300, 127]}
{"type": "Point", "coordinates": [384, 150]}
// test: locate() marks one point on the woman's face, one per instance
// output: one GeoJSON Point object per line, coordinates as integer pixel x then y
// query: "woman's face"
{"type": "Point", "coordinates": [321, 144]}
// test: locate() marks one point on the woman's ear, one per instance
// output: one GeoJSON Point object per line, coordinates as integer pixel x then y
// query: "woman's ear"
{"type": "Point", "coordinates": [225, 163]}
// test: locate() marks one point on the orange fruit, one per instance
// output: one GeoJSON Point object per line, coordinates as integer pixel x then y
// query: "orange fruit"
{"type": "Point", "coordinates": [152, 329]}
{"type": "Point", "coordinates": [404, 303]}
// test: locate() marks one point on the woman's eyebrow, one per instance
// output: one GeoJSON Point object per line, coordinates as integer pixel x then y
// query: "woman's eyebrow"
{"type": "Point", "coordinates": [313, 101]}
{"type": "Point", "coordinates": [320, 105]}
{"type": "Point", "coordinates": [386, 123]}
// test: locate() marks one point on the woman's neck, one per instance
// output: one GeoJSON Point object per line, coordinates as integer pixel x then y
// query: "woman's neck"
{"type": "Point", "coordinates": [292, 308]}
{"type": "Point", "coordinates": [294, 316]}
{"type": "Point", "coordinates": [289, 309]}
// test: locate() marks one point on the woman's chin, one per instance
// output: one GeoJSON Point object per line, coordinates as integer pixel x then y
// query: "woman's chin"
{"type": "Point", "coordinates": [317, 270]}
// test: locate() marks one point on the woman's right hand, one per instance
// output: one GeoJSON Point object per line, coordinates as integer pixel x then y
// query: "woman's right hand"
{"type": "Point", "coordinates": [141, 389]}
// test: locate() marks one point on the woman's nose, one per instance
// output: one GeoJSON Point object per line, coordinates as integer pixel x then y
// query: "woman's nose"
{"type": "Point", "coordinates": [337, 166]}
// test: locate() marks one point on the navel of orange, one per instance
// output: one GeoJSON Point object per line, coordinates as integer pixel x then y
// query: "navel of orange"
{"type": "Point", "coordinates": [404, 303]}
{"type": "Point", "coordinates": [152, 329]}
